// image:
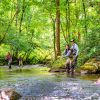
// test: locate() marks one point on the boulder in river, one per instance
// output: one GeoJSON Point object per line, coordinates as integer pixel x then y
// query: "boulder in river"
{"type": "Point", "coordinates": [95, 96]}
{"type": "Point", "coordinates": [9, 94]}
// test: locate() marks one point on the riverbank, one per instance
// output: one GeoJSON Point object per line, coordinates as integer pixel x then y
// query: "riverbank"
{"type": "Point", "coordinates": [91, 66]}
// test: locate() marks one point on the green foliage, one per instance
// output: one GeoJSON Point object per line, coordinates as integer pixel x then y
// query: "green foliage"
{"type": "Point", "coordinates": [35, 39]}
{"type": "Point", "coordinates": [57, 64]}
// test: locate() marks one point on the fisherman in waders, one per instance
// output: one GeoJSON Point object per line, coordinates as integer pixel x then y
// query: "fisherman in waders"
{"type": "Point", "coordinates": [9, 59]}
{"type": "Point", "coordinates": [68, 54]}
{"type": "Point", "coordinates": [75, 51]}
{"type": "Point", "coordinates": [20, 61]}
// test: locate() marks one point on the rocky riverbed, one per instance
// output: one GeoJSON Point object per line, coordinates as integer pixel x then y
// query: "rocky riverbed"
{"type": "Point", "coordinates": [42, 85]}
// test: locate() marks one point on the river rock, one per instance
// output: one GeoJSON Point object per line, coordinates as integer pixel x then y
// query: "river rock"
{"type": "Point", "coordinates": [84, 72]}
{"type": "Point", "coordinates": [9, 94]}
{"type": "Point", "coordinates": [95, 96]}
{"type": "Point", "coordinates": [87, 98]}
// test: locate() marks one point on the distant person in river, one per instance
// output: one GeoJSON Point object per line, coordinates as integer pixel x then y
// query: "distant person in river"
{"type": "Point", "coordinates": [20, 61]}
{"type": "Point", "coordinates": [75, 51]}
{"type": "Point", "coordinates": [9, 59]}
{"type": "Point", "coordinates": [69, 61]}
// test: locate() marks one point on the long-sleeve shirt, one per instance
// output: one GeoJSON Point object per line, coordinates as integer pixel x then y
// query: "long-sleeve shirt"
{"type": "Point", "coordinates": [67, 53]}
{"type": "Point", "coordinates": [75, 49]}
{"type": "Point", "coordinates": [8, 57]}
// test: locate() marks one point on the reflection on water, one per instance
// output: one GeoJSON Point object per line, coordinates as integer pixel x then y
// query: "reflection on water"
{"type": "Point", "coordinates": [41, 85]}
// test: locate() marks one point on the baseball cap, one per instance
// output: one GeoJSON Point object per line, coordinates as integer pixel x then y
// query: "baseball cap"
{"type": "Point", "coordinates": [72, 40]}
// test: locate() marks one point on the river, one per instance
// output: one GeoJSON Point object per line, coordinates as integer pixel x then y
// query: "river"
{"type": "Point", "coordinates": [38, 84]}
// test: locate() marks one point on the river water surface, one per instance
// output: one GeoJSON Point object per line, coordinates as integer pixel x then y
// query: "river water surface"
{"type": "Point", "coordinates": [39, 84]}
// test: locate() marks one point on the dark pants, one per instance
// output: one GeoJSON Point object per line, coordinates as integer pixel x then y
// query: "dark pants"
{"type": "Point", "coordinates": [71, 67]}
{"type": "Point", "coordinates": [9, 63]}
{"type": "Point", "coordinates": [74, 62]}
{"type": "Point", "coordinates": [68, 68]}
{"type": "Point", "coordinates": [10, 66]}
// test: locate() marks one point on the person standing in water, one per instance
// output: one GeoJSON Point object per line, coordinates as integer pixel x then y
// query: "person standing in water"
{"type": "Point", "coordinates": [9, 59]}
{"type": "Point", "coordinates": [68, 54]}
{"type": "Point", "coordinates": [75, 51]}
{"type": "Point", "coordinates": [20, 61]}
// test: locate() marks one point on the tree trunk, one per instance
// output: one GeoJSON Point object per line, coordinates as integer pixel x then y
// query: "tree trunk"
{"type": "Point", "coordinates": [53, 27]}
{"type": "Point", "coordinates": [64, 34]}
{"type": "Point", "coordinates": [54, 40]}
{"type": "Point", "coordinates": [17, 10]}
{"type": "Point", "coordinates": [23, 10]}
{"type": "Point", "coordinates": [83, 2]}
{"type": "Point", "coordinates": [67, 20]}
{"type": "Point", "coordinates": [57, 40]}
{"type": "Point", "coordinates": [2, 39]}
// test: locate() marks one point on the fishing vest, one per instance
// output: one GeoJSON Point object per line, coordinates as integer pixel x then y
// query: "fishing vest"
{"type": "Point", "coordinates": [74, 50]}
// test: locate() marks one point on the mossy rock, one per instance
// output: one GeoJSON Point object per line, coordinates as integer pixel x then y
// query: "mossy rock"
{"type": "Point", "coordinates": [58, 65]}
{"type": "Point", "coordinates": [89, 67]}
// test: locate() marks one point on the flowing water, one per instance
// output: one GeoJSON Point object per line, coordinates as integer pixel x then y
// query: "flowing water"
{"type": "Point", "coordinates": [38, 84]}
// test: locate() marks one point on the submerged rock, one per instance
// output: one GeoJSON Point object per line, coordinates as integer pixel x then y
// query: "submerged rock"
{"type": "Point", "coordinates": [9, 94]}
{"type": "Point", "coordinates": [95, 96]}
{"type": "Point", "coordinates": [87, 98]}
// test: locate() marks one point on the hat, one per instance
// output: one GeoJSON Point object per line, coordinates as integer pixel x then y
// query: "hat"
{"type": "Point", "coordinates": [72, 40]}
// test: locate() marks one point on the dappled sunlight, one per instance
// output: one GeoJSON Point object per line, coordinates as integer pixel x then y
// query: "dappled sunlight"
{"type": "Point", "coordinates": [50, 49]}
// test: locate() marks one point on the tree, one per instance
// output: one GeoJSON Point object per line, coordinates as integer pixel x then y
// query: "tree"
{"type": "Point", "coordinates": [58, 52]}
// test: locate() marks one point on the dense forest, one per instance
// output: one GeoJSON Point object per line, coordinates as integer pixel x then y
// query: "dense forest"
{"type": "Point", "coordinates": [34, 35]}
{"type": "Point", "coordinates": [38, 30]}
